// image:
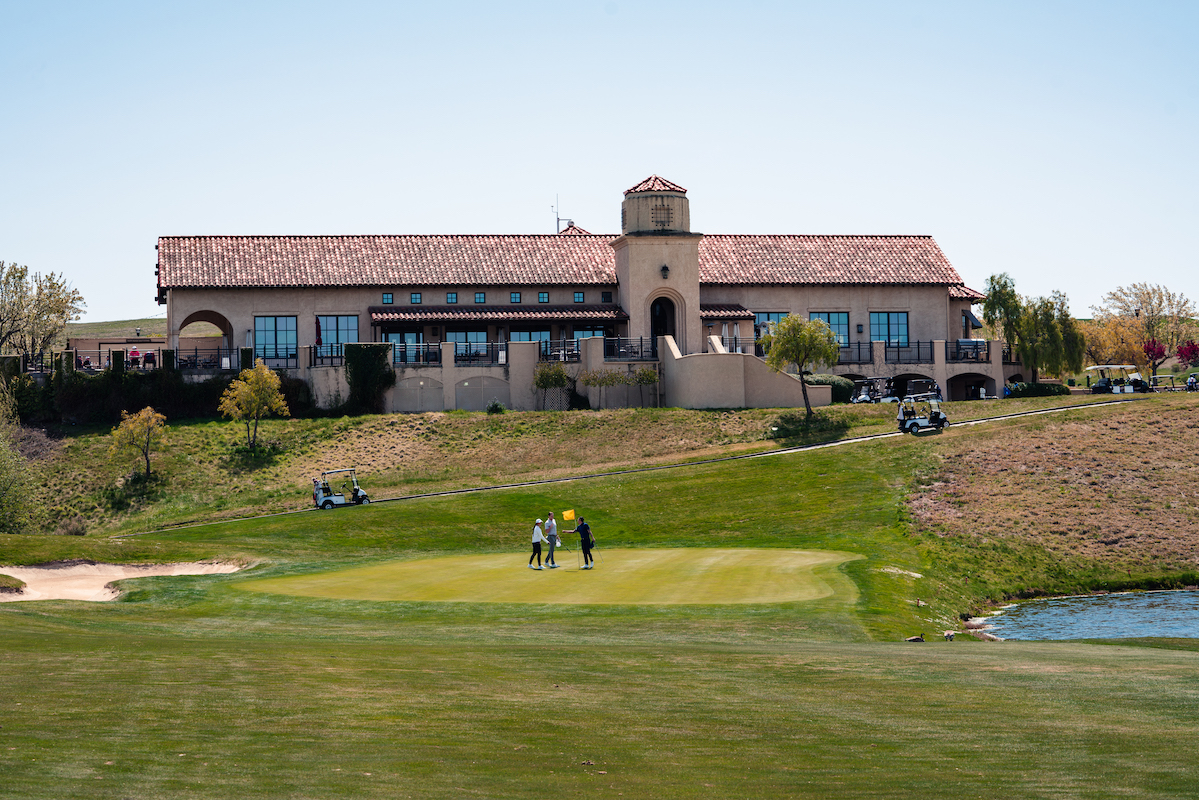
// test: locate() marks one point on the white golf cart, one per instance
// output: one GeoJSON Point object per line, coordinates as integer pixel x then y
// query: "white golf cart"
{"type": "Point", "coordinates": [921, 412]}
{"type": "Point", "coordinates": [325, 496]}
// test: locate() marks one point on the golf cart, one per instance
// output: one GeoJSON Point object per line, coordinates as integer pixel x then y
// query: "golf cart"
{"type": "Point", "coordinates": [921, 412]}
{"type": "Point", "coordinates": [1193, 382]}
{"type": "Point", "coordinates": [348, 493]}
{"type": "Point", "coordinates": [1116, 379]}
{"type": "Point", "coordinates": [1163, 383]}
{"type": "Point", "coordinates": [873, 390]}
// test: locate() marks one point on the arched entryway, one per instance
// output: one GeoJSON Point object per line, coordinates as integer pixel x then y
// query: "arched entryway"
{"type": "Point", "coordinates": [970, 386]}
{"type": "Point", "coordinates": [662, 318]}
{"type": "Point", "coordinates": [213, 318]}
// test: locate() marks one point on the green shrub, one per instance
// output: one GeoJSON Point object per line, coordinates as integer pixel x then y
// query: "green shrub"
{"type": "Point", "coordinates": [495, 407]}
{"type": "Point", "coordinates": [842, 387]}
{"type": "Point", "coordinates": [1039, 390]}
{"type": "Point", "coordinates": [369, 374]}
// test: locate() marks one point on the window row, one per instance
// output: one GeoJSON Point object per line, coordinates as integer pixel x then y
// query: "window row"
{"type": "Point", "coordinates": [451, 298]}
{"type": "Point", "coordinates": [885, 326]}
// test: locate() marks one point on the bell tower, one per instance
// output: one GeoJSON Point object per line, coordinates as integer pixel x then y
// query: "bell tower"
{"type": "Point", "coordinates": [657, 263]}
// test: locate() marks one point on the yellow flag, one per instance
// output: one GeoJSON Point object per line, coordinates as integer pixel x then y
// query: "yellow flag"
{"type": "Point", "coordinates": [568, 514]}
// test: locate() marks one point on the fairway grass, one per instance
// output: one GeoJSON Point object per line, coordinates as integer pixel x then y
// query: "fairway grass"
{"type": "Point", "coordinates": [625, 577]}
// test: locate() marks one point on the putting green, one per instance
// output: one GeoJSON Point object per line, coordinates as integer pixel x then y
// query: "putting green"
{"type": "Point", "coordinates": [675, 576]}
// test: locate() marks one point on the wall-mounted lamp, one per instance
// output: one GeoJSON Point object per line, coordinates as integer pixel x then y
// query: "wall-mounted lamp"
{"type": "Point", "coordinates": [665, 272]}
{"type": "Point", "coordinates": [859, 328]}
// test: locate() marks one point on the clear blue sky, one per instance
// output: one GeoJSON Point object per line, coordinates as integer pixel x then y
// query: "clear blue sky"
{"type": "Point", "coordinates": [1054, 141]}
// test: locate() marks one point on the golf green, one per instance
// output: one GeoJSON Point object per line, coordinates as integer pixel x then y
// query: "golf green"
{"type": "Point", "coordinates": [625, 577]}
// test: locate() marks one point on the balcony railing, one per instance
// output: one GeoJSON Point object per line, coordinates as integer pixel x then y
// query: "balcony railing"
{"type": "Point", "coordinates": [643, 348]}
{"type": "Point", "coordinates": [327, 355]}
{"type": "Point", "coordinates": [856, 353]}
{"type": "Point", "coordinates": [738, 344]}
{"type": "Point", "coordinates": [975, 350]}
{"type": "Point", "coordinates": [911, 353]}
{"type": "Point", "coordinates": [278, 356]}
{"type": "Point", "coordinates": [481, 353]}
{"type": "Point", "coordinates": [415, 354]}
{"type": "Point", "coordinates": [1009, 357]}
{"type": "Point", "coordinates": [559, 350]}
{"type": "Point", "coordinates": [209, 358]}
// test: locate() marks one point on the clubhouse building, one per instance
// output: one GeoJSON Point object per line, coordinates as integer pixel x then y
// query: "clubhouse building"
{"type": "Point", "coordinates": [471, 316]}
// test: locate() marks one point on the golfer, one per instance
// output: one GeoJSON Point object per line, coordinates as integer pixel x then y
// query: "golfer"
{"type": "Point", "coordinates": [538, 538]}
{"type": "Point", "coordinates": [586, 542]}
{"type": "Point", "coordinates": [551, 536]}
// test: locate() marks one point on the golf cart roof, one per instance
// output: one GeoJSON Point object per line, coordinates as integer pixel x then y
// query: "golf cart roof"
{"type": "Point", "coordinates": [922, 396]}
{"type": "Point", "coordinates": [335, 471]}
{"type": "Point", "coordinates": [1113, 366]}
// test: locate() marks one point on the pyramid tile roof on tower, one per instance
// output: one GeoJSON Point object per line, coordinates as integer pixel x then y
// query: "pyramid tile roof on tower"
{"type": "Point", "coordinates": [655, 184]}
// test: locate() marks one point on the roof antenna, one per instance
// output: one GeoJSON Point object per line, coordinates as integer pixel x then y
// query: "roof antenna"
{"type": "Point", "coordinates": [558, 220]}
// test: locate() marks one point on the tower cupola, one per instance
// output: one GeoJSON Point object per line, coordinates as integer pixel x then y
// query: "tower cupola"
{"type": "Point", "coordinates": [655, 206]}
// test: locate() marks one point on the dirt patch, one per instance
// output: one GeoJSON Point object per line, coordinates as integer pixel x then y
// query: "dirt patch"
{"type": "Point", "coordinates": [35, 444]}
{"type": "Point", "coordinates": [87, 580]}
{"type": "Point", "coordinates": [1119, 485]}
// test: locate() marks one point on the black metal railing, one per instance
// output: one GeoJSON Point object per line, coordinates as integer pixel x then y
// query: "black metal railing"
{"type": "Point", "coordinates": [910, 353]}
{"type": "Point", "coordinates": [559, 350]}
{"type": "Point", "coordinates": [643, 348]}
{"type": "Point", "coordinates": [210, 358]}
{"type": "Point", "coordinates": [738, 344]}
{"type": "Point", "coordinates": [975, 350]}
{"type": "Point", "coordinates": [415, 354]}
{"type": "Point", "coordinates": [481, 353]}
{"type": "Point", "coordinates": [327, 355]}
{"type": "Point", "coordinates": [1009, 357]}
{"type": "Point", "coordinates": [278, 356]}
{"type": "Point", "coordinates": [856, 353]}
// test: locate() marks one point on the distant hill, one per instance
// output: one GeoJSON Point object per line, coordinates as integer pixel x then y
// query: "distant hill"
{"type": "Point", "coordinates": [153, 326]}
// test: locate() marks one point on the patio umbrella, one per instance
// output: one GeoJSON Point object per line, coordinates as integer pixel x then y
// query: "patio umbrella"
{"type": "Point", "coordinates": [318, 332]}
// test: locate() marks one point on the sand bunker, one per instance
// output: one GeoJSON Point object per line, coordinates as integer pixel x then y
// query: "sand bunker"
{"type": "Point", "coordinates": [92, 582]}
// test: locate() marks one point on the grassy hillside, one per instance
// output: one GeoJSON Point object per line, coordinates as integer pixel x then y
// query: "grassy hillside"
{"type": "Point", "coordinates": [196, 687]}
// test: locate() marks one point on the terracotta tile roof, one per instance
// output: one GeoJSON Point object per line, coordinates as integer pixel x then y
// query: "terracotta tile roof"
{"type": "Point", "coordinates": [483, 260]}
{"type": "Point", "coordinates": [824, 260]}
{"type": "Point", "coordinates": [729, 311]}
{"type": "Point", "coordinates": [550, 259]}
{"type": "Point", "coordinates": [579, 313]}
{"type": "Point", "coordinates": [655, 184]}
{"type": "Point", "coordinates": [573, 230]}
{"type": "Point", "coordinates": [962, 292]}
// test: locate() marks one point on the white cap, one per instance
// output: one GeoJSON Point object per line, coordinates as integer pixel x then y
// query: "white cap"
{"type": "Point", "coordinates": [538, 522]}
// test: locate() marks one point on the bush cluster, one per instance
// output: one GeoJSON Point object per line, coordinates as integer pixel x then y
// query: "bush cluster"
{"type": "Point", "coordinates": [842, 386]}
{"type": "Point", "coordinates": [1039, 390]}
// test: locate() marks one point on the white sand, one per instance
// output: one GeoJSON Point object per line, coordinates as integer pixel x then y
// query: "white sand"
{"type": "Point", "coordinates": [83, 581]}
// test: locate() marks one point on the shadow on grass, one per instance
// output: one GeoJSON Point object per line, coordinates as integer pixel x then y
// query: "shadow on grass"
{"type": "Point", "coordinates": [132, 491]}
{"type": "Point", "coordinates": [796, 427]}
{"type": "Point", "coordinates": [243, 459]}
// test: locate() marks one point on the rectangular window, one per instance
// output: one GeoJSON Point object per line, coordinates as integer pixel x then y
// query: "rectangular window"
{"type": "Point", "coordinates": [890, 327]}
{"type": "Point", "coordinates": [414, 298]}
{"type": "Point", "coordinates": [514, 297]}
{"type": "Point", "coordinates": [542, 335]}
{"type": "Point", "coordinates": [336, 331]}
{"type": "Point", "coordinates": [467, 342]}
{"type": "Point", "coordinates": [480, 297]}
{"type": "Point", "coordinates": [543, 297]}
{"type": "Point", "coordinates": [451, 298]}
{"type": "Point", "coordinates": [588, 331]}
{"type": "Point", "coordinates": [387, 298]}
{"type": "Point", "coordinates": [838, 321]}
{"type": "Point", "coordinates": [764, 318]}
{"type": "Point", "coordinates": [605, 297]}
{"type": "Point", "coordinates": [578, 297]}
{"type": "Point", "coordinates": [275, 337]}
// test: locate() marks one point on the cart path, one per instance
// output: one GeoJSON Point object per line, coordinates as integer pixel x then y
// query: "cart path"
{"type": "Point", "coordinates": [635, 470]}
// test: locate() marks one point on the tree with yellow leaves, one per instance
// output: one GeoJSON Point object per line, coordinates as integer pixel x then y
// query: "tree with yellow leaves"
{"type": "Point", "coordinates": [254, 395]}
{"type": "Point", "coordinates": [139, 433]}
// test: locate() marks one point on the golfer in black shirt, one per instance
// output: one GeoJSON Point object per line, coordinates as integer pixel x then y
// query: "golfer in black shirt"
{"type": "Point", "coordinates": [586, 542]}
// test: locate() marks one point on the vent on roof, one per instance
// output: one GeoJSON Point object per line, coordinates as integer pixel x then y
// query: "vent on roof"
{"type": "Point", "coordinates": [662, 216]}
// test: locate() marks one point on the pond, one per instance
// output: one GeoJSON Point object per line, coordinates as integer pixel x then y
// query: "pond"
{"type": "Point", "coordinates": [1105, 616]}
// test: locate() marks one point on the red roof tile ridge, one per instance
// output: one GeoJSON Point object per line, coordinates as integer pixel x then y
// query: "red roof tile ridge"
{"type": "Point", "coordinates": [656, 183]}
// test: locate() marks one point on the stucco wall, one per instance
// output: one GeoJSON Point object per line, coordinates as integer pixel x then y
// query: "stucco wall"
{"type": "Point", "coordinates": [730, 380]}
